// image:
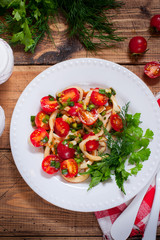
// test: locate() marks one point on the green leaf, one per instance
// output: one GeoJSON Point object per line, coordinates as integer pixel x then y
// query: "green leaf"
{"type": "Point", "coordinates": [136, 169]}
{"type": "Point", "coordinates": [141, 155]}
{"type": "Point", "coordinates": [149, 134]}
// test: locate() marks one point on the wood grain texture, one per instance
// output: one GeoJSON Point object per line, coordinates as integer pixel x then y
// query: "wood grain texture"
{"type": "Point", "coordinates": [23, 214]}
{"type": "Point", "coordinates": [131, 20]}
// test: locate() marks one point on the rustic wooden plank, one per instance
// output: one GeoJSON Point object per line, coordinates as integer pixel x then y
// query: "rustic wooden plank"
{"type": "Point", "coordinates": [131, 20]}
{"type": "Point", "coordinates": [21, 77]}
{"type": "Point", "coordinates": [51, 238]}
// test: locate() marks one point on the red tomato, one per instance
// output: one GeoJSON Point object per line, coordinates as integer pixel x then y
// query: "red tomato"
{"type": "Point", "coordinates": [155, 22]}
{"type": "Point", "coordinates": [87, 117]}
{"type": "Point", "coordinates": [69, 168]}
{"type": "Point", "coordinates": [49, 104]}
{"type": "Point", "coordinates": [71, 93]}
{"type": "Point", "coordinates": [92, 145]}
{"type": "Point", "coordinates": [42, 120]}
{"type": "Point", "coordinates": [39, 137]}
{"type": "Point", "coordinates": [98, 98]}
{"type": "Point", "coordinates": [51, 164]}
{"type": "Point", "coordinates": [87, 135]}
{"type": "Point", "coordinates": [152, 69]}
{"type": "Point", "coordinates": [61, 127]}
{"type": "Point", "coordinates": [116, 122]}
{"type": "Point", "coordinates": [73, 111]}
{"type": "Point", "coordinates": [138, 45]}
{"type": "Point", "coordinates": [158, 101]}
{"type": "Point", "coordinates": [64, 151]}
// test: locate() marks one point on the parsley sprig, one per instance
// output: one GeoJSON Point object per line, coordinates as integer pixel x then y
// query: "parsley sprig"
{"type": "Point", "coordinates": [128, 146]}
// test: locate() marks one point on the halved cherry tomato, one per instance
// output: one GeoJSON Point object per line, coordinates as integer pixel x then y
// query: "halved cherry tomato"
{"type": "Point", "coordinates": [73, 111]}
{"type": "Point", "coordinates": [39, 137]}
{"type": "Point", "coordinates": [42, 120]}
{"type": "Point", "coordinates": [116, 122]}
{"type": "Point", "coordinates": [64, 151]}
{"type": "Point", "coordinates": [152, 69]}
{"type": "Point", "coordinates": [61, 127]}
{"type": "Point", "coordinates": [91, 145]}
{"type": "Point", "coordinates": [71, 94]}
{"type": "Point", "coordinates": [49, 104]}
{"type": "Point", "coordinates": [98, 98]}
{"type": "Point", "coordinates": [158, 101]}
{"type": "Point", "coordinates": [69, 168]}
{"type": "Point", "coordinates": [51, 164]}
{"type": "Point", "coordinates": [87, 117]}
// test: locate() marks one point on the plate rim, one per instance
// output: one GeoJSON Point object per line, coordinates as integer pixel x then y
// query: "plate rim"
{"type": "Point", "coordinates": [47, 71]}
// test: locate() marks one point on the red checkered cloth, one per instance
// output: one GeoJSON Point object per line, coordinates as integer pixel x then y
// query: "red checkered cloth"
{"type": "Point", "coordinates": [107, 217]}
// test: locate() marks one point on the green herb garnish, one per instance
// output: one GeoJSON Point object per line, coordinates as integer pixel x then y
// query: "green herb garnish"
{"type": "Point", "coordinates": [45, 139]}
{"type": "Point", "coordinates": [131, 144]}
{"type": "Point", "coordinates": [45, 119]}
{"type": "Point", "coordinates": [33, 121]}
{"type": "Point", "coordinates": [64, 171]}
{"type": "Point", "coordinates": [27, 22]}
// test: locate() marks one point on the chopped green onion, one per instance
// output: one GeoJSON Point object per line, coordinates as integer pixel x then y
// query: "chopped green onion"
{"type": "Point", "coordinates": [103, 113]}
{"type": "Point", "coordinates": [55, 164]}
{"type": "Point", "coordinates": [91, 106]}
{"type": "Point", "coordinates": [113, 92]}
{"type": "Point", "coordinates": [70, 145]}
{"type": "Point", "coordinates": [33, 121]}
{"type": "Point", "coordinates": [102, 91]}
{"type": "Point", "coordinates": [45, 139]}
{"type": "Point", "coordinates": [71, 104]}
{"type": "Point", "coordinates": [73, 130]}
{"type": "Point", "coordinates": [45, 119]}
{"type": "Point", "coordinates": [65, 142]}
{"type": "Point", "coordinates": [64, 171]}
{"type": "Point", "coordinates": [51, 98]}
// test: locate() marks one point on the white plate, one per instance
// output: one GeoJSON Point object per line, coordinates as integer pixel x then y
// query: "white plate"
{"type": "Point", "coordinates": [86, 73]}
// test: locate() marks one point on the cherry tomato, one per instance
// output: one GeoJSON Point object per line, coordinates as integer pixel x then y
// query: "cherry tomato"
{"type": "Point", "coordinates": [49, 104]}
{"type": "Point", "coordinates": [91, 144]}
{"type": "Point", "coordinates": [155, 22]}
{"type": "Point", "coordinates": [51, 164]}
{"type": "Point", "coordinates": [71, 93]}
{"type": "Point", "coordinates": [158, 101]}
{"type": "Point", "coordinates": [116, 122]}
{"type": "Point", "coordinates": [138, 45]}
{"type": "Point", "coordinates": [87, 117]}
{"type": "Point", "coordinates": [69, 168]}
{"type": "Point", "coordinates": [152, 69]}
{"type": "Point", "coordinates": [73, 111]}
{"type": "Point", "coordinates": [61, 127]}
{"type": "Point", "coordinates": [98, 98]}
{"type": "Point", "coordinates": [64, 151]}
{"type": "Point", "coordinates": [39, 137]}
{"type": "Point", "coordinates": [42, 120]}
{"type": "Point", "coordinates": [87, 135]}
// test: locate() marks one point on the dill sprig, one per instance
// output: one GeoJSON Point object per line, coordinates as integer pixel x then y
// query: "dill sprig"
{"type": "Point", "coordinates": [88, 21]}
{"type": "Point", "coordinates": [27, 22]}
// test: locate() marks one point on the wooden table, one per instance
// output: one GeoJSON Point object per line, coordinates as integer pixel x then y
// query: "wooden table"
{"type": "Point", "coordinates": [23, 214]}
